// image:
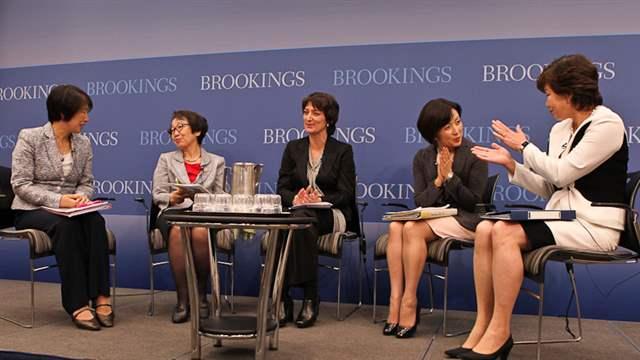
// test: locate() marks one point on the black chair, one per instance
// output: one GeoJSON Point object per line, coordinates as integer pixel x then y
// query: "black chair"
{"type": "Point", "coordinates": [438, 254]}
{"type": "Point", "coordinates": [225, 244]}
{"type": "Point", "coordinates": [40, 246]}
{"type": "Point", "coordinates": [627, 252]}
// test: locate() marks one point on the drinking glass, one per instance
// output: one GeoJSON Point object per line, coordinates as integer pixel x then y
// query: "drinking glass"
{"type": "Point", "coordinates": [222, 202]}
{"type": "Point", "coordinates": [200, 202]}
{"type": "Point", "coordinates": [242, 203]}
{"type": "Point", "coordinates": [275, 204]}
{"type": "Point", "coordinates": [261, 203]}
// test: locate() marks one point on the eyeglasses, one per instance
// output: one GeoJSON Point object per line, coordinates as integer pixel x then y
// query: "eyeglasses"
{"type": "Point", "coordinates": [178, 128]}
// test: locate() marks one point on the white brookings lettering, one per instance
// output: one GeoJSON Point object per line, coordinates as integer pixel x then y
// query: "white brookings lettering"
{"type": "Point", "coordinates": [520, 72]}
{"type": "Point", "coordinates": [392, 76]}
{"type": "Point", "coordinates": [7, 141]}
{"type": "Point", "coordinates": [514, 193]}
{"type": "Point", "coordinates": [213, 136]}
{"type": "Point", "coordinates": [122, 187]}
{"type": "Point", "coordinates": [633, 134]}
{"type": "Point", "coordinates": [372, 191]}
{"type": "Point", "coordinates": [103, 138]}
{"type": "Point", "coordinates": [475, 134]}
{"type": "Point", "coordinates": [132, 86]}
{"type": "Point", "coordinates": [350, 135]}
{"type": "Point", "coordinates": [261, 80]}
{"type": "Point", "coordinates": [25, 92]}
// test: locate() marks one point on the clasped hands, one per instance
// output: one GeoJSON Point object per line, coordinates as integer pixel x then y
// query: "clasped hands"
{"type": "Point", "coordinates": [497, 154]}
{"type": "Point", "coordinates": [308, 195]}
{"type": "Point", "coordinates": [73, 200]}
{"type": "Point", "coordinates": [445, 166]}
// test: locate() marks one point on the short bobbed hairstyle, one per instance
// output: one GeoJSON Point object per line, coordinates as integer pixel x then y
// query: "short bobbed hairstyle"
{"type": "Point", "coordinates": [435, 115]}
{"type": "Point", "coordinates": [328, 105]}
{"type": "Point", "coordinates": [196, 122]}
{"type": "Point", "coordinates": [64, 101]}
{"type": "Point", "coordinates": [574, 76]}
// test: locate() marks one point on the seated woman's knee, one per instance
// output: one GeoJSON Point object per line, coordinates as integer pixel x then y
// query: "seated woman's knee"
{"type": "Point", "coordinates": [501, 234]}
{"type": "Point", "coordinates": [413, 229]}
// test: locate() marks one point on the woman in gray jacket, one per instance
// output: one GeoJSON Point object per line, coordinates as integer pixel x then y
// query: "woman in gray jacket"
{"type": "Point", "coordinates": [190, 163]}
{"type": "Point", "coordinates": [52, 166]}
{"type": "Point", "coordinates": [444, 173]}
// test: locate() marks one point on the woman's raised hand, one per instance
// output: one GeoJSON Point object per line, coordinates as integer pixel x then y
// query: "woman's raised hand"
{"type": "Point", "coordinates": [512, 139]}
{"type": "Point", "coordinates": [495, 154]}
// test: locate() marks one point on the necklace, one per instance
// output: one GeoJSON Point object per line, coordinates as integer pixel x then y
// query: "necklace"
{"type": "Point", "coordinates": [197, 159]}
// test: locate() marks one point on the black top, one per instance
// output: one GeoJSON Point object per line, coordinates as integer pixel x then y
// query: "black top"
{"type": "Point", "coordinates": [463, 191]}
{"type": "Point", "coordinates": [336, 177]}
{"type": "Point", "coordinates": [612, 172]}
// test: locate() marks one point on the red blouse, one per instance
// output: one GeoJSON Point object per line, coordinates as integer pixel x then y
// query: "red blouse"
{"type": "Point", "coordinates": [192, 171]}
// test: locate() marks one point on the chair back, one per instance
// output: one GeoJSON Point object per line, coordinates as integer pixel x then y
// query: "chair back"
{"type": "Point", "coordinates": [487, 196]}
{"type": "Point", "coordinates": [630, 237]}
{"type": "Point", "coordinates": [6, 214]}
{"type": "Point", "coordinates": [153, 216]}
{"type": "Point", "coordinates": [490, 189]}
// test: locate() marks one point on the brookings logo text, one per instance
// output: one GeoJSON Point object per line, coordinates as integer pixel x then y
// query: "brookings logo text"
{"type": "Point", "coordinates": [350, 135]}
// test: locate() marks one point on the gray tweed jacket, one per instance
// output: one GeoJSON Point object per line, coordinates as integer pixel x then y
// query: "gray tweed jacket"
{"type": "Point", "coordinates": [463, 191]}
{"type": "Point", "coordinates": [170, 169]}
{"type": "Point", "coordinates": [36, 169]}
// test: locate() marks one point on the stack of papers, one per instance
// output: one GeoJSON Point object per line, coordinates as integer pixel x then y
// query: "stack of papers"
{"type": "Point", "coordinates": [314, 205]}
{"type": "Point", "coordinates": [420, 213]}
{"type": "Point", "coordinates": [192, 189]}
{"type": "Point", "coordinates": [82, 209]}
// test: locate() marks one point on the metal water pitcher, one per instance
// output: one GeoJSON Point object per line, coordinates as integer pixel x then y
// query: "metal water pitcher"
{"type": "Point", "coordinates": [245, 177]}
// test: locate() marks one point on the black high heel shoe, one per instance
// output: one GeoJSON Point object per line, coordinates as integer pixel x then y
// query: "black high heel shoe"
{"type": "Point", "coordinates": [286, 311]}
{"type": "Point", "coordinates": [309, 313]}
{"type": "Point", "coordinates": [390, 329]}
{"type": "Point", "coordinates": [455, 353]}
{"type": "Point", "coordinates": [409, 332]}
{"type": "Point", "coordinates": [502, 353]}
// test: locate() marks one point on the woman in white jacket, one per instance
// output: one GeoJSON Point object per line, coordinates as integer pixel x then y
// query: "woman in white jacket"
{"type": "Point", "coordinates": [586, 162]}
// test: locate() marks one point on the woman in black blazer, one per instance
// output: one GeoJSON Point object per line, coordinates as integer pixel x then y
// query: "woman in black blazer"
{"type": "Point", "coordinates": [316, 168]}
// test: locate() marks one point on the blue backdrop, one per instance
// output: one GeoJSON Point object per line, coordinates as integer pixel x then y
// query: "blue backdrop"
{"type": "Point", "coordinates": [252, 102]}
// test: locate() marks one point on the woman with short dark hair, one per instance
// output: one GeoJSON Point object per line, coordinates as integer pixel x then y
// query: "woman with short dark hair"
{"type": "Point", "coordinates": [313, 169]}
{"type": "Point", "coordinates": [586, 162]}
{"type": "Point", "coordinates": [190, 163]}
{"type": "Point", "coordinates": [52, 166]}
{"type": "Point", "coordinates": [444, 172]}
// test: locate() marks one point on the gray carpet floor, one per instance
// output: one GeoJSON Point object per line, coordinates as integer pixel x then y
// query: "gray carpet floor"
{"type": "Point", "coordinates": [138, 336]}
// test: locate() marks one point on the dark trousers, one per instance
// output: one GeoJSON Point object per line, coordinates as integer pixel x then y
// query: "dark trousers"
{"type": "Point", "coordinates": [81, 248]}
{"type": "Point", "coordinates": [302, 263]}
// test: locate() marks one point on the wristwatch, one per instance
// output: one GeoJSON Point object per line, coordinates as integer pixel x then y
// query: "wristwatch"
{"type": "Point", "coordinates": [523, 145]}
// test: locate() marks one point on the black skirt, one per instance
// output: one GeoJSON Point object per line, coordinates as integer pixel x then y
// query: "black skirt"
{"type": "Point", "coordinates": [538, 234]}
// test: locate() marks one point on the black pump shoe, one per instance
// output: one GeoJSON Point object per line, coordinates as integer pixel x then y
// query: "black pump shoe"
{"type": "Point", "coordinates": [409, 332]}
{"type": "Point", "coordinates": [456, 352]}
{"type": "Point", "coordinates": [502, 353]}
{"type": "Point", "coordinates": [389, 329]}
{"type": "Point", "coordinates": [308, 314]}
{"type": "Point", "coordinates": [180, 314]}
{"type": "Point", "coordinates": [286, 311]}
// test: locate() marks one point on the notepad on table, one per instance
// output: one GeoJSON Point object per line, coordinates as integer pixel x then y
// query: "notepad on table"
{"type": "Point", "coordinates": [420, 213]}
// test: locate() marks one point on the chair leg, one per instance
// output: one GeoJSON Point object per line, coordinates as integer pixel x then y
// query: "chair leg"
{"type": "Point", "coordinates": [114, 282]}
{"type": "Point", "coordinates": [575, 292]}
{"type": "Point", "coordinates": [339, 286]}
{"type": "Point", "coordinates": [233, 277]}
{"type": "Point", "coordinates": [151, 287]}
{"type": "Point", "coordinates": [375, 291]}
{"type": "Point", "coordinates": [430, 282]}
